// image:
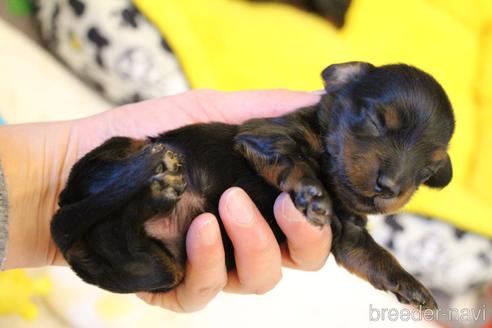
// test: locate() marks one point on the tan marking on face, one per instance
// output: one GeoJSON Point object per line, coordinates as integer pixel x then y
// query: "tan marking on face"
{"type": "Point", "coordinates": [391, 118]}
{"type": "Point", "coordinates": [392, 205]}
{"type": "Point", "coordinates": [361, 168]}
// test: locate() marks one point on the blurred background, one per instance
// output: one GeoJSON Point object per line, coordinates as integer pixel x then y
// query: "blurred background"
{"type": "Point", "coordinates": [65, 59]}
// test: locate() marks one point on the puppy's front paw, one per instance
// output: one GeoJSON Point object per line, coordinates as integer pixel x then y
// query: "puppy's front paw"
{"type": "Point", "coordinates": [409, 291]}
{"type": "Point", "coordinates": [169, 182]}
{"type": "Point", "coordinates": [311, 198]}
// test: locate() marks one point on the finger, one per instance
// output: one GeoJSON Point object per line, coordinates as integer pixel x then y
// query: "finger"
{"type": "Point", "coordinates": [164, 300]}
{"type": "Point", "coordinates": [256, 251]}
{"type": "Point", "coordinates": [308, 246]}
{"type": "Point", "coordinates": [236, 107]}
{"type": "Point", "coordinates": [206, 273]}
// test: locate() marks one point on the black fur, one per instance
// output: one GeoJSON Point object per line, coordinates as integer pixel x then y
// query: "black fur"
{"type": "Point", "coordinates": [377, 134]}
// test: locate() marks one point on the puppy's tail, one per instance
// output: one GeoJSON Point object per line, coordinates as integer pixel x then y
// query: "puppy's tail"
{"type": "Point", "coordinates": [73, 220]}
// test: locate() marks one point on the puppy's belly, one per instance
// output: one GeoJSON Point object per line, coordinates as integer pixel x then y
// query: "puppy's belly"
{"type": "Point", "coordinates": [211, 166]}
{"type": "Point", "coordinates": [171, 229]}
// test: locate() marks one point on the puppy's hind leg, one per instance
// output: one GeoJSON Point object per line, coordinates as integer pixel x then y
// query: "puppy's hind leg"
{"type": "Point", "coordinates": [168, 182]}
{"type": "Point", "coordinates": [100, 226]}
{"type": "Point", "coordinates": [118, 253]}
{"type": "Point", "coordinates": [125, 262]}
{"type": "Point", "coordinates": [100, 183]}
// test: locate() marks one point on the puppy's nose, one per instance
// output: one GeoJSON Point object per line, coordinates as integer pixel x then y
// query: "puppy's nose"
{"type": "Point", "coordinates": [387, 187]}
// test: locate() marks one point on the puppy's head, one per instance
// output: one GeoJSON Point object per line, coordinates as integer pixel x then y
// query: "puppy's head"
{"type": "Point", "coordinates": [388, 130]}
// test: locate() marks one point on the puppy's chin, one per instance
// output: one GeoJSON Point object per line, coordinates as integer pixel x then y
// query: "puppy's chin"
{"type": "Point", "coordinates": [361, 204]}
{"type": "Point", "coordinates": [391, 205]}
{"type": "Point", "coordinates": [353, 200]}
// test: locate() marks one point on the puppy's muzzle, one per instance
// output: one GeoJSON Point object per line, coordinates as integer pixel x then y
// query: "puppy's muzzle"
{"type": "Point", "coordinates": [387, 187]}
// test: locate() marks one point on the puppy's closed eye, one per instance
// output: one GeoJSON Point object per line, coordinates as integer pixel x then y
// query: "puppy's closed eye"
{"type": "Point", "coordinates": [370, 125]}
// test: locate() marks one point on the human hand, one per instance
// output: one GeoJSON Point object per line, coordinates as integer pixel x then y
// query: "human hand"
{"type": "Point", "coordinates": [37, 159]}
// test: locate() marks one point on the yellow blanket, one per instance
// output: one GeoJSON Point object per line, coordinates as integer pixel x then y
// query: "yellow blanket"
{"type": "Point", "coordinates": [233, 44]}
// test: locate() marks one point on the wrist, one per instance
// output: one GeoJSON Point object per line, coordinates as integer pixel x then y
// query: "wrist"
{"type": "Point", "coordinates": [34, 160]}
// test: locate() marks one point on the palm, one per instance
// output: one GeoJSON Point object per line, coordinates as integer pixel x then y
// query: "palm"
{"type": "Point", "coordinates": [153, 117]}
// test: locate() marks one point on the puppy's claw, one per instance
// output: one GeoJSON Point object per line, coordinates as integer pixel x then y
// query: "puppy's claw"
{"type": "Point", "coordinates": [313, 191]}
{"type": "Point", "coordinates": [320, 208]}
{"type": "Point", "coordinates": [172, 161]}
{"type": "Point", "coordinates": [159, 169]}
{"type": "Point", "coordinates": [401, 299]}
{"type": "Point", "coordinates": [157, 148]}
{"type": "Point", "coordinates": [410, 291]}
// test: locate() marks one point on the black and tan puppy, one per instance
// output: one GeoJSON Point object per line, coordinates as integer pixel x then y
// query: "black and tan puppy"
{"type": "Point", "coordinates": [375, 136]}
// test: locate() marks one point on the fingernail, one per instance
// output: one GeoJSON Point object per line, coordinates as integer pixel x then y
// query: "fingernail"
{"type": "Point", "coordinates": [288, 209]}
{"type": "Point", "coordinates": [240, 207]}
{"type": "Point", "coordinates": [319, 92]}
{"type": "Point", "coordinates": [207, 232]}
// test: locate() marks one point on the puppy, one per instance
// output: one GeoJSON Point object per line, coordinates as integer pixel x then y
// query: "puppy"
{"type": "Point", "coordinates": [375, 136]}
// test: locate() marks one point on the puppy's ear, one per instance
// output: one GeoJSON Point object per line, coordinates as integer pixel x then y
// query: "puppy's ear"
{"type": "Point", "coordinates": [442, 177]}
{"type": "Point", "coordinates": [336, 76]}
